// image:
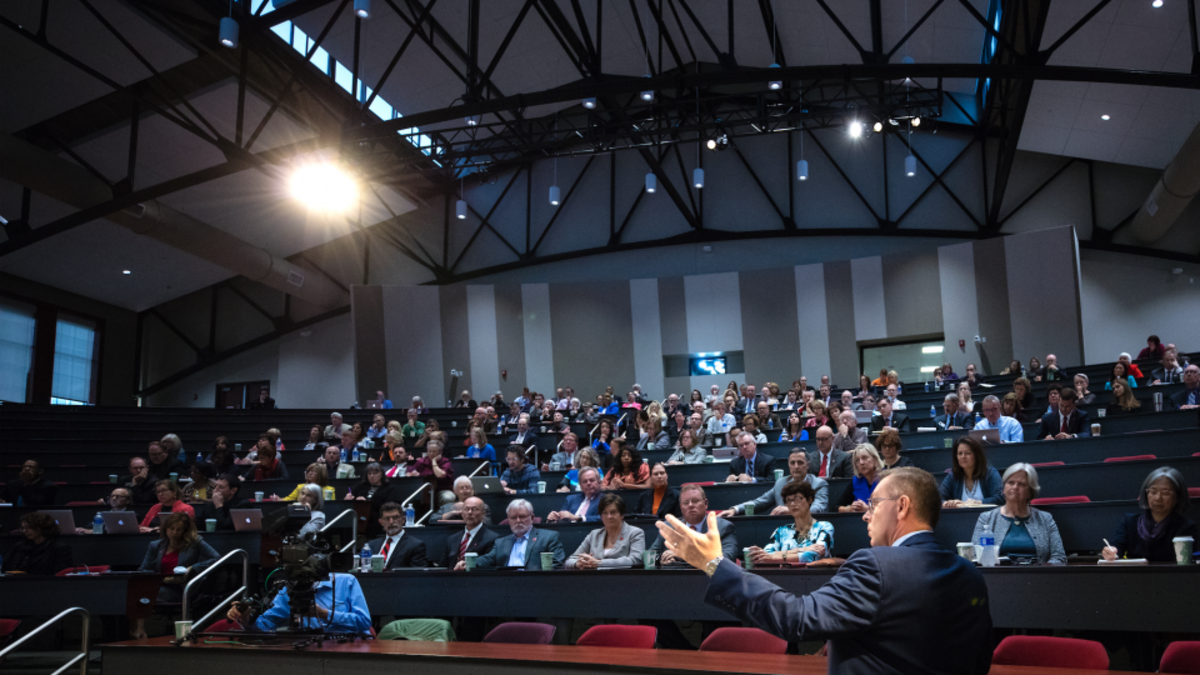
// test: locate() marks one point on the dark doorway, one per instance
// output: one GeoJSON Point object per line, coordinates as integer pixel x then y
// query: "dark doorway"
{"type": "Point", "coordinates": [235, 395]}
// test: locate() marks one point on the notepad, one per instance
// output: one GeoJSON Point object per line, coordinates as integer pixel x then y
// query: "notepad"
{"type": "Point", "coordinates": [1125, 561]}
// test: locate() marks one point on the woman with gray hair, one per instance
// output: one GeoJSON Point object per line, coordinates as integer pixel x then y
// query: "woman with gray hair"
{"type": "Point", "coordinates": [1164, 502]}
{"type": "Point", "coordinates": [1020, 529]}
{"type": "Point", "coordinates": [313, 499]}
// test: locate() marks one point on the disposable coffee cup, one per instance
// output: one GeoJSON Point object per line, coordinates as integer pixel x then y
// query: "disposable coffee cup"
{"type": "Point", "coordinates": [1102, 412]}
{"type": "Point", "coordinates": [182, 628]}
{"type": "Point", "coordinates": [1095, 428]}
{"type": "Point", "coordinates": [778, 474]}
{"type": "Point", "coordinates": [258, 496]}
{"type": "Point", "coordinates": [947, 442]}
{"type": "Point", "coordinates": [708, 459]}
{"type": "Point", "coordinates": [210, 525]}
{"type": "Point", "coordinates": [237, 447]}
{"type": "Point", "coordinates": [174, 477]}
{"type": "Point", "coordinates": [748, 560]}
{"type": "Point", "coordinates": [377, 563]}
{"type": "Point", "coordinates": [469, 559]}
{"type": "Point", "coordinates": [547, 560]}
{"type": "Point", "coordinates": [649, 558]}
{"type": "Point", "coordinates": [750, 509]}
{"type": "Point", "coordinates": [1183, 550]}
{"type": "Point", "coordinates": [541, 487]}
{"type": "Point", "coordinates": [112, 478]}
{"type": "Point", "coordinates": [967, 550]}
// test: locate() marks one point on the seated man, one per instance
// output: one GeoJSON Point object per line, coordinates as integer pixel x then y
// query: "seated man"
{"type": "Point", "coordinates": [1010, 429]}
{"type": "Point", "coordinates": [751, 466]}
{"type": "Point", "coordinates": [892, 392]}
{"type": "Point", "coordinates": [333, 432]}
{"type": "Point", "coordinates": [583, 505]}
{"type": "Point", "coordinates": [1053, 372]}
{"type": "Point", "coordinates": [519, 478]}
{"type": "Point", "coordinates": [334, 467]}
{"type": "Point", "coordinates": [397, 550]}
{"type": "Point", "coordinates": [1170, 372]}
{"type": "Point", "coordinates": [693, 504]}
{"type": "Point", "coordinates": [1189, 398]}
{"type": "Point", "coordinates": [120, 500]}
{"type": "Point", "coordinates": [849, 435]}
{"type": "Point", "coordinates": [225, 496]}
{"type": "Point", "coordinates": [138, 482]}
{"type": "Point", "coordinates": [720, 421]}
{"type": "Point", "coordinates": [351, 615]}
{"type": "Point", "coordinates": [32, 489]}
{"type": "Point", "coordinates": [767, 420]}
{"type": "Point", "coordinates": [161, 464]}
{"type": "Point", "coordinates": [828, 461]}
{"type": "Point", "coordinates": [771, 501]}
{"type": "Point", "coordinates": [524, 547]}
{"type": "Point", "coordinates": [1066, 422]}
{"type": "Point", "coordinates": [475, 537]}
{"type": "Point", "coordinates": [954, 417]}
{"type": "Point", "coordinates": [887, 418]}
{"type": "Point", "coordinates": [566, 453]}
{"type": "Point", "coordinates": [525, 437]}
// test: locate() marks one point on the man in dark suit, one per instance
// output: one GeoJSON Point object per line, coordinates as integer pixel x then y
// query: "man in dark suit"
{"type": "Point", "coordinates": [888, 418]}
{"type": "Point", "coordinates": [827, 461]}
{"type": "Point", "coordinates": [767, 420]}
{"type": "Point", "coordinates": [397, 550]}
{"type": "Point", "coordinates": [224, 497]}
{"type": "Point", "coordinates": [752, 466]}
{"type": "Point", "coordinates": [904, 605]}
{"type": "Point", "coordinates": [524, 547]}
{"type": "Point", "coordinates": [525, 437]}
{"type": "Point", "coordinates": [479, 539]}
{"type": "Point", "coordinates": [1189, 398]}
{"type": "Point", "coordinates": [1066, 422]}
{"type": "Point", "coordinates": [582, 506]}
{"type": "Point", "coordinates": [954, 417]}
{"type": "Point", "coordinates": [693, 505]}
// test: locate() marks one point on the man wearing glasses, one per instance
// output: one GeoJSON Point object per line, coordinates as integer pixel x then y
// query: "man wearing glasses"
{"type": "Point", "coordinates": [904, 604]}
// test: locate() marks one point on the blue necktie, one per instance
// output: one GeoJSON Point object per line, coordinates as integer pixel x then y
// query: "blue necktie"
{"type": "Point", "coordinates": [750, 467]}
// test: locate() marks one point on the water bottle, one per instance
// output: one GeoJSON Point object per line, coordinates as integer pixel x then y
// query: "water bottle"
{"type": "Point", "coordinates": [933, 412]}
{"type": "Point", "coordinates": [354, 455]}
{"type": "Point", "coordinates": [278, 445]}
{"type": "Point", "coordinates": [98, 524]}
{"type": "Point", "coordinates": [364, 558]}
{"type": "Point", "coordinates": [977, 417]}
{"type": "Point", "coordinates": [199, 457]}
{"type": "Point", "coordinates": [343, 454]}
{"type": "Point", "coordinates": [987, 550]}
{"type": "Point", "coordinates": [410, 516]}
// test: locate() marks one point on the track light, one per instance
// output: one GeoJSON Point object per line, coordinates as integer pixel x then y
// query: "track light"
{"type": "Point", "coordinates": [229, 32]}
{"type": "Point", "coordinates": [878, 127]}
{"type": "Point", "coordinates": [718, 143]}
{"type": "Point", "coordinates": [460, 209]}
{"type": "Point", "coordinates": [323, 187]}
{"type": "Point", "coordinates": [362, 9]}
{"type": "Point", "coordinates": [590, 103]}
{"type": "Point", "coordinates": [910, 166]}
{"type": "Point", "coordinates": [554, 195]}
{"type": "Point", "coordinates": [1156, 4]}
{"type": "Point", "coordinates": [651, 183]}
{"type": "Point", "coordinates": [856, 129]}
{"type": "Point", "coordinates": [775, 84]}
{"type": "Point", "coordinates": [472, 120]}
{"type": "Point", "coordinates": [916, 121]}
{"type": "Point", "coordinates": [802, 170]}
{"type": "Point", "coordinates": [648, 95]}
{"type": "Point", "coordinates": [698, 178]}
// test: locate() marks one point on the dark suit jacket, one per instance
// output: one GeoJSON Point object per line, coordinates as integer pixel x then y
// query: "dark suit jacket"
{"type": "Point", "coordinates": [1178, 400]}
{"type": "Point", "coordinates": [839, 464]}
{"type": "Point", "coordinates": [483, 543]}
{"type": "Point", "coordinates": [530, 438]}
{"type": "Point", "coordinates": [890, 609]}
{"type": "Point", "coordinates": [962, 418]}
{"type": "Point", "coordinates": [729, 543]}
{"type": "Point", "coordinates": [222, 516]}
{"type": "Point", "coordinates": [575, 499]}
{"type": "Point", "coordinates": [669, 503]}
{"type": "Point", "coordinates": [1079, 424]}
{"type": "Point", "coordinates": [899, 422]}
{"type": "Point", "coordinates": [764, 467]}
{"type": "Point", "coordinates": [410, 552]}
{"type": "Point", "coordinates": [539, 541]}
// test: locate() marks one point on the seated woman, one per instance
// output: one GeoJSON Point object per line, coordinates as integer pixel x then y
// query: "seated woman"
{"type": "Point", "coordinates": [313, 498]}
{"type": "Point", "coordinates": [689, 450]}
{"type": "Point", "coordinates": [817, 415]}
{"type": "Point", "coordinates": [313, 473]}
{"type": "Point", "coordinates": [1082, 395]}
{"type": "Point", "coordinates": [222, 458]}
{"type": "Point", "coordinates": [267, 465]}
{"type": "Point", "coordinates": [972, 480]}
{"type": "Point", "coordinates": [889, 446]}
{"type": "Point", "coordinates": [653, 437]}
{"type": "Point", "coordinates": [373, 488]}
{"type": "Point", "coordinates": [794, 431]}
{"type": "Point", "coordinates": [661, 499]}
{"type": "Point", "coordinates": [1123, 402]}
{"type": "Point", "coordinates": [452, 513]}
{"type": "Point", "coordinates": [570, 481]}
{"type": "Point", "coordinates": [677, 425]}
{"type": "Point", "coordinates": [40, 552]}
{"type": "Point", "coordinates": [965, 401]}
{"type": "Point", "coordinates": [867, 465]}
{"type": "Point", "coordinates": [170, 500]}
{"type": "Point", "coordinates": [1164, 502]}
{"type": "Point", "coordinates": [750, 425]}
{"type": "Point", "coordinates": [1020, 529]}
{"type": "Point", "coordinates": [179, 545]}
{"type": "Point", "coordinates": [617, 544]}
{"type": "Point", "coordinates": [1035, 371]}
{"type": "Point", "coordinates": [806, 539]}
{"type": "Point", "coordinates": [1010, 406]}
{"type": "Point", "coordinates": [203, 482]}
{"type": "Point", "coordinates": [1023, 388]}
{"type": "Point", "coordinates": [480, 448]}
{"type": "Point", "coordinates": [628, 472]}
{"type": "Point", "coordinates": [1120, 373]}
{"type": "Point", "coordinates": [602, 443]}
{"type": "Point", "coordinates": [315, 442]}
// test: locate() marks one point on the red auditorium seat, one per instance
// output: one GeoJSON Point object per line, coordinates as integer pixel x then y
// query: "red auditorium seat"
{"type": "Point", "coordinates": [7, 628]}
{"type": "Point", "coordinates": [1050, 652]}
{"type": "Point", "coordinates": [1041, 464]}
{"type": "Point", "coordinates": [747, 640]}
{"type": "Point", "coordinates": [701, 483]}
{"type": "Point", "coordinates": [89, 569]}
{"type": "Point", "coordinates": [1194, 492]}
{"type": "Point", "coordinates": [1075, 499]}
{"type": "Point", "coordinates": [521, 633]}
{"type": "Point", "coordinates": [1131, 458]}
{"type": "Point", "coordinates": [633, 637]}
{"type": "Point", "coordinates": [1181, 658]}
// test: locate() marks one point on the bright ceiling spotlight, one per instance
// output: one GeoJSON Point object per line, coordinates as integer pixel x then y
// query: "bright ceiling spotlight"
{"type": "Point", "coordinates": [323, 187]}
{"type": "Point", "coordinates": [878, 127]}
{"type": "Point", "coordinates": [775, 84]}
{"type": "Point", "coordinates": [651, 183]}
{"type": "Point", "coordinates": [856, 129]}
{"type": "Point", "coordinates": [648, 95]}
{"type": "Point", "coordinates": [910, 166]}
{"type": "Point", "coordinates": [916, 121]}
{"type": "Point", "coordinates": [126, 272]}
{"type": "Point", "coordinates": [718, 143]}
{"type": "Point", "coordinates": [554, 195]}
{"type": "Point", "coordinates": [698, 178]}
{"type": "Point", "coordinates": [229, 32]}
{"type": "Point", "coordinates": [1105, 118]}
{"type": "Point", "coordinates": [460, 209]}
{"type": "Point", "coordinates": [590, 103]}
{"type": "Point", "coordinates": [802, 170]}
{"type": "Point", "coordinates": [472, 120]}
{"type": "Point", "coordinates": [1156, 4]}
{"type": "Point", "coordinates": [362, 9]}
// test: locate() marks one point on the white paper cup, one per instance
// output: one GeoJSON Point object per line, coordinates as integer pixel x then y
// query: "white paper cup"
{"type": "Point", "coordinates": [210, 525]}
{"type": "Point", "coordinates": [541, 487]}
{"type": "Point", "coordinates": [377, 563]}
{"type": "Point", "coordinates": [469, 559]}
{"type": "Point", "coordinates": [258, 496]}
{"type": "Point", "coordinates": [967, 550]}
{"type": "Point", "coordinates": [1102, 412]}
{"type": "Point", "coordinates": [182, 628]}
{"type": "Point", "coordinates": [1095, 428]}
{"type": "Point", "coordinates": [1183, 550]}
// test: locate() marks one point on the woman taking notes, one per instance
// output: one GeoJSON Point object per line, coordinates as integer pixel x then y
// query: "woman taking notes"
{"type": "Point", "coordinates": [1164, 502]}
{"type": "Point", "coordinates": [615, 545]}
{"type": "Point", "coordinates": [805, 540]}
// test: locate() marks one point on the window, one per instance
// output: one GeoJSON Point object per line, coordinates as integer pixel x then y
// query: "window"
{"type": "Point", "coordinates": [74, 363]}
{"type": "Point", "coordinates": [16, 351]}
{"type": "Point", "coordinates": [914, 362]}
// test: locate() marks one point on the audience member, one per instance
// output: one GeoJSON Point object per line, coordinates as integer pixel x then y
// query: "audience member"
{"type": "Point", "coordinates": [972, 379]}
{"type": "Point", "coordinates": [1020, 529]}
{"type": "Point", "coordinates": [269, 466]}
{"type": "Point", "coordinates": [1010, 429]}
{"type": "Point", "coordinates": [1130, 368]}
{"type": "Point", "coordinates": [767, 420]}
{"type": "Point", "coordinates": [179, 545]}
{"type": "Point", "coordinates": [583, 459]}
{"type": "Point", "coordinates": [1170, 372]}
{"type": "Point", "coordinates": [465, 401]}
{"type": "Point", "coordinates": [628, 472]}
{"type": "Point", "coordinates": [720, 422]}
{"type": "Point", "coordinates": [161, 464]}
{"type": "Point", "coordinates": [1066, 422]}
{"type": "Point", "coordinates": [475, 537]}
{"type": "Point", "coordinates": [653, 437]}
{"type": "Point", "coordinates": [794, 431]}
{"type": "Point", "coordinates": [886, 418]}
{"type": "Point", "coordinates": [889, 446]}
{"type": "Point", "coordinates": [174, 448]}
{"type": "Point", "coordinates": [1023, 389]}
{"type": "Point", "coordinates": [201, 487]}
{"type": "Point", "coordinates": [602, 443]}
{"type": "Point", "coordinates": [617, 544]}
{"type": "Point", "coordinates": [772, 502]}
{"type": "Point", "coordinates": [120, 500]}
{"type": "Point", "coordinates": [660, 499]}
{"type": "Point", "coordinates": [225, 497]}
{"type": "Point", "coordinates": [1082, 395]}
{"type": "Point", "coordinates": [170, 500]}
{"type": "Point", "coordinates": [33, 488]}
{"type": "Point", "coordinates": [689, 450]}
{"type": "Point", "coordinates": [1052, 372]}
{"type": "Point", "coordinates": [583, 505]}
{"type": "Point", "coordinates": [806, 539]}
{"type": "Point", "coordinates": [436, 469]}
{"type": "Point", "coordinates": [312, 497]}
{"type": "Point", "coordinates": [350, 616]}
{"type": "Point", "coordinates": [374, 487]}
{"type": "Point", "coordinates": [377, 430]}
{"type": "Point", "coordinates": [953, 417]}
{"type": "Point", "coordinates": [750, 426]}
{"type": "Point", "coordinates": [315, 435]}
{"type": "Point", "coordinates": [1120, 372]}
{"type": "Point", "coordinates": [1035, 371]}
{"type": "Point", "coordinates": [1010, 406]}
{"type": "Point", "coordinates": [138, 480]}
{"type": "Point", "coordinates": [965, 401]}
{"type": "Point", "coordinates": [1149, 534]}
{"type": "Point", "coordinates": [947, 372]}
{"type": "Point", "coordinates": [892, 391]}
{"type": "Point", "coordinates": [817, 416]}
{"type": "Point", "coordinates": [524, 547]}
{"type": "Point", "coordinates": [333, 432]}
{"type": "Point", "coordinates": [568, 448]}
{"type": "Point", "coordinates": [519, 478]}
{"type": "Point", "coordinates": [864, 387]}
{"type": "Point", "coordinates": [1014, 368]}
{"type": "Point", "coordinates": [222, 458]}
{"type": "Point", "coordinates": [315, 473]}
{"type": "Point", "coordinates": [451, 513]}
{"type": "Point", "coordinates": [334, 466]}
{"type": "Point", "coordinates": [971, 481]}
{"type": "Point", "coordinates": [867, 465]}
{"type": "Point", "coordinates": [480, 448]}
{"type": "Point", "coordinates": [524, 437]}
{"type": "Point", "coordinates": [751, 466]}
{"type": "Point", "coordinates": [397, 550]}
{"type": "Point", "coordinates": [1053, 398]}
{"type": "Point", "coordinates": [1154, 349]}
{"type": "Point", "coordinates": [382, 400]}
{"type": "Point", "coordinates": [40, 552]}
{"type": "Point", "coordinates": [263, 402]}
{"type": "Point", "coordinates": [1189, 398]}
{"type": "Point", "coordinates": [693, 505]}
{"type": "Point", "coordinates": [1123, 401]}
{"type": "Point", "coordinates": [828, 461]}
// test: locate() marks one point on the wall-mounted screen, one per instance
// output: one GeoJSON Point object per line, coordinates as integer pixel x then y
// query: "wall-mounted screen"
{"type": "Point", "coordinates": [708, 365]}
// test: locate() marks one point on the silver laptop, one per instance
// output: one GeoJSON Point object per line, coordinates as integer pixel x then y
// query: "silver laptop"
{"type": "Point", "coordinates": [485, 485]}
{"type": "Point", "coordinates": [374, 405]}
{"type": "Point", "coordinates": [64, 519]}
{"type": "Point", "coordinates": [120, 522]}
{"type": "Point", "coordinates": [986, 436]}
{"type": "Point", "coordinates": [246, 520]}
{"type": "Point", "coordinates": [863, 417]}
{"type": "Point", "coordinates": [724, 453]}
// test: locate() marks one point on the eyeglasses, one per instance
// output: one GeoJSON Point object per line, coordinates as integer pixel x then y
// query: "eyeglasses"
{"type": "Point", "coordinates": [872, 503]}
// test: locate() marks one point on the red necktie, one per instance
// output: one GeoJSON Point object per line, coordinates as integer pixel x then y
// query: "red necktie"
{"type": "Point", "coordinates": [1064, 423]}
{"type": "Point", "coordinates": [824, 465]}
{"type": "Point", "coordinates": [387, 546]}
{"type": "Point", "coordinates": [462, 546]}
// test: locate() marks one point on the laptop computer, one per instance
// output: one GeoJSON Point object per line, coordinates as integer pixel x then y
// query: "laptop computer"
{"type": "Point", "coordinates": [485, 485]}
{"type": "Point", "coordinates": [120, 522]}
{"type": "Point", "coordinates": [64, 519]}
{"type": "Point", "coordinates": [374, 405]}
{"type": "Point", "coordinates": [246, 520]}
{"type": "Point", "coordinates": [986, 436]}
{"type": "Point", "coordinates": [863, 417]}
{"type": "Point", "coordinates": [724, 453]}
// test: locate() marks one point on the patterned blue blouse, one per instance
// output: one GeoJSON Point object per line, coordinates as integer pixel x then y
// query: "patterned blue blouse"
{"type": "Point", "coordinates": [784, 539]}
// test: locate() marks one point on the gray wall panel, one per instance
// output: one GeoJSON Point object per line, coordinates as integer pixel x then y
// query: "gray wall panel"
{"type": "Point", "coordinates": [370, 348]}
{"type": "Point", "coordinates": [960, 317]}
{"type": "Point", "coordinates": [510, 334]}
{"type": "Point", "coordinates": [839, 309]}
{"type": "Point", "coordinates": [1043, 297]}
{"type": "Point", "coordinates": [673, 313]}
{"type": "Point", "coordinates": [991, 302]}
{"type": "Point", "coordinates": [592, 332]}
{"type": "Point", "coordinates": [413, 327]}
{"type": "Point", "coordinates": [770, 334]}
{"type": "Point", "coordinates": [913, 295]}
{"type": "Point", "coordinates": [456, 344]}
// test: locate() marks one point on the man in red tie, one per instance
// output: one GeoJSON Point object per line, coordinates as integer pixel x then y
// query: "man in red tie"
{"type": "Point", "coordinates": [828, 461]}
{"type": "Point", "coordinates": [475, 537]}
{"type": "Point", "coordinates": [1066, 422]}
{"type": "Point", "coordinates": [397, 550]}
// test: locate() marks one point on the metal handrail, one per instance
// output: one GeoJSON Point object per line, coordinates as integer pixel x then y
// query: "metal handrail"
{"type": "Point", "coordinates": [432, 500]}
{"type": "Point", "coordinates": [221, 561]}
{"type": "Point", "coordinates": [592, 433]}
{"type": "Point", "coordinates": [485, 465]}
{"type": "Point", "coordinates": [83, 646]}
{"type": "Point", "coordinates": [353, 527]}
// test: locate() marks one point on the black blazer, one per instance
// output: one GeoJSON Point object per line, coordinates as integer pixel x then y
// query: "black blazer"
{"type": "Point", "coordinates": [41, 493]}
{"type": "Point", "coordinates": [839, 464]}
{"type": "Point", "coordinates": [531, 437]}
{"type": "Point", "coordinates": [962, 418]}
{"type": "Point", "coordinates": [483, 543]}
{"type": "Point", "coordinates": [764, 467]}
{"type": "Point", "coordinates": [1179, 399]}
{"type": "Point", "coordinates": [899, 422]}
{"type": "Point", "coordinates": [410, 552]}
{"type": "Point", "coordinates": [669, 503]}
{"type": "Point", "coordinates": [224, 520]}
{"type": "Point", "coordinates": [47, 558]}
{"type": "Point", "coordinates": [1127, 541]}
{"type": "Point", "coordinates": [1078, 424]}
